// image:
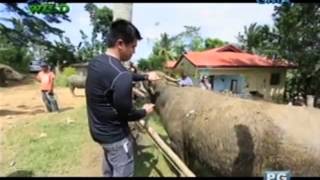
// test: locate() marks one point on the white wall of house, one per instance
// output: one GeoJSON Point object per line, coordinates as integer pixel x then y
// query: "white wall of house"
{"type": "Point", "coordinates": [188, 68]}
{"type": "Point", "coordinates": [256, 79]}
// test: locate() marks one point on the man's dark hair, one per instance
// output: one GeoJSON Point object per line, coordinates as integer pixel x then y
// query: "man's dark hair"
{"type": "Point", "coordinates": [122, 29]}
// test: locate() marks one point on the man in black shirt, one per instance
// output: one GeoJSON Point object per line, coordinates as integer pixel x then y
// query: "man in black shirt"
{"type": "Point", "coordinates": [109, 99]}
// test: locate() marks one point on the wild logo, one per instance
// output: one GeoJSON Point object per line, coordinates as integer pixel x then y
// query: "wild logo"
{"type": "Point", "coordinates": [45, 7]}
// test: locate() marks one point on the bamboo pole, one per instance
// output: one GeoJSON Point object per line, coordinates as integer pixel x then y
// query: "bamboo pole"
{"type": "Point", "coordinates": [167, 150]}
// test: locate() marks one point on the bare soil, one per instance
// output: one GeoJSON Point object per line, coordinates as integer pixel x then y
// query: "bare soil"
{"type": "Point", "coordinates": [21, 100]}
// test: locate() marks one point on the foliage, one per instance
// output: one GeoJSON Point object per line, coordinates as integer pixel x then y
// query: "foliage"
{"type": "Point", "coordinates": [210, 43]}
{"type": "Point", "coordinates": [295, 37]}
{"type": "Point", "coordinates": [24, 35]}
{"type": "Point", "coordinates": [69, 71]}
{"type": "Point", "coordinates": [172, 47]}
{"type": "Point", "coordinates": [26, 28]}
{"type": "Point", "coordinates": [101, 19]}
{"type": "Point", "coordinates": [62, 51]}
{"type": "Point", "coordinates": [62, 79]}
{"type": "Point", "coordinates": [14, 56]}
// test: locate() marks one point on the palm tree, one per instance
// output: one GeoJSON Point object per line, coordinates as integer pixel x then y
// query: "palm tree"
{"type": "Point", "coordinates": [164, 47]}
{"type": "Point", "coordinates": [251, 38]}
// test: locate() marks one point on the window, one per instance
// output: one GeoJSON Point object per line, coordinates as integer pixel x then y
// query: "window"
{"type": "Point", "coordinates": [275, 79]}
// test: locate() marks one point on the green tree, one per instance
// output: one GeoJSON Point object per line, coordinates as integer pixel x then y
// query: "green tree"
{"type": "Point", "coordinates": [298, 27]}
{"type": "Point", "coordinates": [17, 57]}
{"type": "Point", "coordinates": [62, 51]}
{"type": "Point", "coordinates": [210, 43]}
{"type": "Point", "coordinates": [32, 29]}
{"type": "Point", "coordinates": [164, 47]}
{"type": "Point", "coordinates": [172, 47]}
{"type": "Point", "coordinates": [101, 19]}
{"type": "Point", "coordinates": [295, 37]}
{"type": "Point", "coordinates": [143, 64]}
{"type": "Point", "coordinates": [23, 32]}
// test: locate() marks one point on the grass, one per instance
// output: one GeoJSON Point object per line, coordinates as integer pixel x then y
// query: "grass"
{"type": "Point", "coordinates": [48, 145]}
{"type": "Point", "coordinates": [151, 162]}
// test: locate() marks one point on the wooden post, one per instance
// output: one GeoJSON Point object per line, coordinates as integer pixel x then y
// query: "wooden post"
{"type": "Point", "coordinates": [167, 150]}
{"type": "Point", "coordinates": [310, 100]}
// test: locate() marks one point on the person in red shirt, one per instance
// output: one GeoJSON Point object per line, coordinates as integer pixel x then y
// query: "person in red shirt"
{"type": "Point", "coordinates": [46, 79]}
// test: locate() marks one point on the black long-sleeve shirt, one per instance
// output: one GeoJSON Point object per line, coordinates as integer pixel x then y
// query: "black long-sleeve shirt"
{"type": "Point", "coordinates": [109, 99]}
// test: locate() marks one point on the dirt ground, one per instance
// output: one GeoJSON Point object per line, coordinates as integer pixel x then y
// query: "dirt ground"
{"type": "Point", "coordinates": [23, 100]}
{"type": "Point", "coordinates": [19, 102]}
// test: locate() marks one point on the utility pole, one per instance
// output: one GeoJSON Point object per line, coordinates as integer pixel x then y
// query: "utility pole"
{"type": "Point", "coordinates": [122, 11]}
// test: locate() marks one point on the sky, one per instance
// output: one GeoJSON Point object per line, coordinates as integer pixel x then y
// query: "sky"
{"type": "Point", "coordinates": [216, 20]}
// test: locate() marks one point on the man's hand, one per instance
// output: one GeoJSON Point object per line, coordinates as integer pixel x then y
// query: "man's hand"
{"type": "Point", "coordinates": [148, 107]}
{"type": "Point", "coordinates": [143, 122]}
{"type": "Point", "coordinates": [153, 76]}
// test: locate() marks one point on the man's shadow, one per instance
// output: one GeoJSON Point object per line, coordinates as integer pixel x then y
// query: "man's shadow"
{"type": "Point", "coordinates": [244, 163]}
{"type": "Point", "coordinates": [21, 173]}
{"type": "Point", "coordinates": [145, 162]}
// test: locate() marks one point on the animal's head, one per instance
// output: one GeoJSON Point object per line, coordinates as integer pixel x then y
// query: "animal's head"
{"type": "Point", "coordinates": [10, 73]}
{"type": "Point", "coordinates": [152, 89]}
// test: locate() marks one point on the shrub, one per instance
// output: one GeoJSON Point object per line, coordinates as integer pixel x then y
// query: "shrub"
{"type": "Point", "coordinates": [62, 79]}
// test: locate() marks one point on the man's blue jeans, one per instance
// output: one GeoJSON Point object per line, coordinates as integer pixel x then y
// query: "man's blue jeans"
{"type": "Point", "coordinates": [50, 101]}
{"type": "Point", "coordinates": [118, 158]}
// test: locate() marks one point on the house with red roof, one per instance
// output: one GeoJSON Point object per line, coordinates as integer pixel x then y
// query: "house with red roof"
{"type": "Point", "coordinates": [232, 69]}
{"type": "Point", "coordinates": [170, 64]}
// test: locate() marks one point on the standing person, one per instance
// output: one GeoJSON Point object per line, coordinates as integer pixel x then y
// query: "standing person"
{"type": "Point", "coordinates": [185, 80]}
{"type": "Point", "coordinates": [109, 99]}
{"type": "Point", "coordinates": [46, 78]}
{"type": "Point", "coordinates": [205, 84]}
{"type": "Point", "coordinates": [132, 68]}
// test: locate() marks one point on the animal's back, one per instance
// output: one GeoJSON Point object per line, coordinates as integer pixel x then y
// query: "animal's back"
{"type": "Point", "coordinates": [234, 136]}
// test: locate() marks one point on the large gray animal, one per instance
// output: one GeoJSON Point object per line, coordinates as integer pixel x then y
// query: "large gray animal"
{"type": "Point", "coordinates": [76, 81]}
{"type": "Point", "coordinates": [8, 73]}
{"type": "Point", "coordinates": [228, 136]}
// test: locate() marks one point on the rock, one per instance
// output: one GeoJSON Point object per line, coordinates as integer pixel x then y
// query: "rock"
{"type": "Point", "coordinates": [69, 120]}
{"type": "Point", "coordinates": [12, 163]}
{"type": "Point", "coordinates": [43, 135]}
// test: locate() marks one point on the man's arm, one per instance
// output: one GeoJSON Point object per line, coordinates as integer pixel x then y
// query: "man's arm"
{"type": "Point", "coordinates": [151, 76]}
{"type": "Point", "coordinates": [139, 77]}
{"type": "Point", "coordinates": [52, 78]}
{"type": "Point", "coordinates": [38, 77]}
{"type": "Point", "coordinates": [122, 98]}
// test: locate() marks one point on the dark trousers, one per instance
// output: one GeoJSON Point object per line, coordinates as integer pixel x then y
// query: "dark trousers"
{"type": "Point", "coordinates": [50, 101]}
{"type": "Point", "coordinates": [118, 158]}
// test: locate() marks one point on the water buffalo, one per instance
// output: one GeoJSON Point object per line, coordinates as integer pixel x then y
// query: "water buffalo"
{"type": "Point", "coordinates": [8, 73]}
{"type": "Point", "coordinates": [76, 81]}
{"type": "Point", "coordinates": [218, 135]}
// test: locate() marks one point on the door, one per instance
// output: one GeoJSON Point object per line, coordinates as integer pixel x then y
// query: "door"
{"type": "Point", "coordinates": [234, 86]}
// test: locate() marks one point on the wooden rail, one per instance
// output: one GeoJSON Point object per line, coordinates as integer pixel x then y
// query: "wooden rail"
{"type": "Point", "coordinates": [167, 151]}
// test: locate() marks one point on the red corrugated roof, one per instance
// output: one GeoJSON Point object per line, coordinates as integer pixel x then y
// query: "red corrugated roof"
{"type": "Point", "coordinates": [170, 64]}
{"type": "Point", "coordinates": [220, 58]}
